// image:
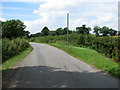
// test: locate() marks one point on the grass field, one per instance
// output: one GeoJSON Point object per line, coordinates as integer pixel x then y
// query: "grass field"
{"type": "Point", "coordinates": [16, 59]}
{"type": "Point", "coordinates": [91, 57]}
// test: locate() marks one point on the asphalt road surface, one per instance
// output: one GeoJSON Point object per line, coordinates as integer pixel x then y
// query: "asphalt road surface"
{"type": "Point", "coordinates": [49, 67]}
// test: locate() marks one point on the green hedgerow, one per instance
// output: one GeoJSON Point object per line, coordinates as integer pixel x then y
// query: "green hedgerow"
{"type": "Point", "coordinates": [13, 47]}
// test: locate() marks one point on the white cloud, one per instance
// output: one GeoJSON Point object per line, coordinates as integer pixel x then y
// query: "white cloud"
{"type": "Point", "coordinates": [51, 11]}
{"type": "Point", "coordinates": [53, 8]}
{"type": "Point", "coordinates": [2, 19]}
{"type": "Point", "coordinates": [109, 20]}
{"type": "Point", "coordinates": [37, 25]}
{"type": "Point", "coordinates": [78, 22]}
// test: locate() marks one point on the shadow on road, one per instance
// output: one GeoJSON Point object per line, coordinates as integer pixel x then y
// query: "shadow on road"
{"type": "Point", "coordinates": [50, 77]}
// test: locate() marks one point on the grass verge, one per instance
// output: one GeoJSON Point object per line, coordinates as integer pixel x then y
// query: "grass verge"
{"type": "Point", "coordinates": [91, 57]}
{"type": "Point", "coordinates": [16, 59]}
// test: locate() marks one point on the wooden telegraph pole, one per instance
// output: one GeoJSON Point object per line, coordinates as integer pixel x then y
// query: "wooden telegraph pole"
{"type": "Point", "coordinates": [67, 28]}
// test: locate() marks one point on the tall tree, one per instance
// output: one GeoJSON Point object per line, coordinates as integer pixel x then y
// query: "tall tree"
{"type": "Point", "coordinates": [13, 28]}
{"type": "Point", "coordinates": [45, 31]}
{"type": "Point", "coordinates": [83, 30]}
{"type": "Point", "coordinates": [104, 31]}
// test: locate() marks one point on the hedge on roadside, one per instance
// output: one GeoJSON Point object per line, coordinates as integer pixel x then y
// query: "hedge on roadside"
{"type": "Point", "coordinates": [13, 47]}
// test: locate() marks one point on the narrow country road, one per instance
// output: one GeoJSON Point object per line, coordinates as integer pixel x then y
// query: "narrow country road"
{"type": "Point", "coordinates": [49, 67]}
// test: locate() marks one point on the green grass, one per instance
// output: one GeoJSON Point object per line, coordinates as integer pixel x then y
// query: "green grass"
{"type": "Point", "coordinates": [91, 57]}
{"type": "Point", "coordinates": [16, 59]}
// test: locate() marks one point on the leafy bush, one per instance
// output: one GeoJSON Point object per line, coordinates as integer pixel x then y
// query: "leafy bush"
{"type": "Point", "coordinates": [13, 47]}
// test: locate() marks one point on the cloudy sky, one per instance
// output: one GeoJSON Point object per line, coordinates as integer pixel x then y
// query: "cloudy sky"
{"type": "Point", "coordinates": [52, 13]}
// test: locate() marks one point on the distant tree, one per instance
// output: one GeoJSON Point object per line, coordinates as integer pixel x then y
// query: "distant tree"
{"type": "Point", "coordinates": [96, 30]}
{"type": "Point", "coordinates": [112, 32]}
{"type": "Point", "coordinates": [104, 31]}
{"type": "Point", "coordinates": [83, 30]}
{"type": "Point", "coordinates": [45, 31]}
{"type": "Point", "coordinates": [13, 28]}
{"type": "Point", "coordinates": [79, 30]}
{"type": "Point", "coordinates": [59, 31]}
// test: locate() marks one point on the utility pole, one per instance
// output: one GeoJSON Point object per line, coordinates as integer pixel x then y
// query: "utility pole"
{"type": "Point", "coordinates": [67, 28]}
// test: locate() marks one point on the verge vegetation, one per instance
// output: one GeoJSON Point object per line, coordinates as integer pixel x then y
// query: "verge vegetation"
{"type": "Point", "coordinates": [91, 57]}
{"type": "Point", "coordinates": [13, 47]}
{"type": "Point", "coordinates": [16, 59]}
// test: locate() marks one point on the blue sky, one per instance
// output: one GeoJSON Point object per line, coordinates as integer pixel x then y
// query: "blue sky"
{"type": "Point", "coordinates": [19, 10]}
{"type": "Point", "coordinates": [52, 13]}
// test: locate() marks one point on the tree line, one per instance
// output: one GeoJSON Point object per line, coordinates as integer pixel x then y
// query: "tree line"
{"type": "Point", "coordinates": [45, 32]}
{"type": "Point", "coordinates": [104, 31]}
{"type": "Point", "coordinates": [16, 28]}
